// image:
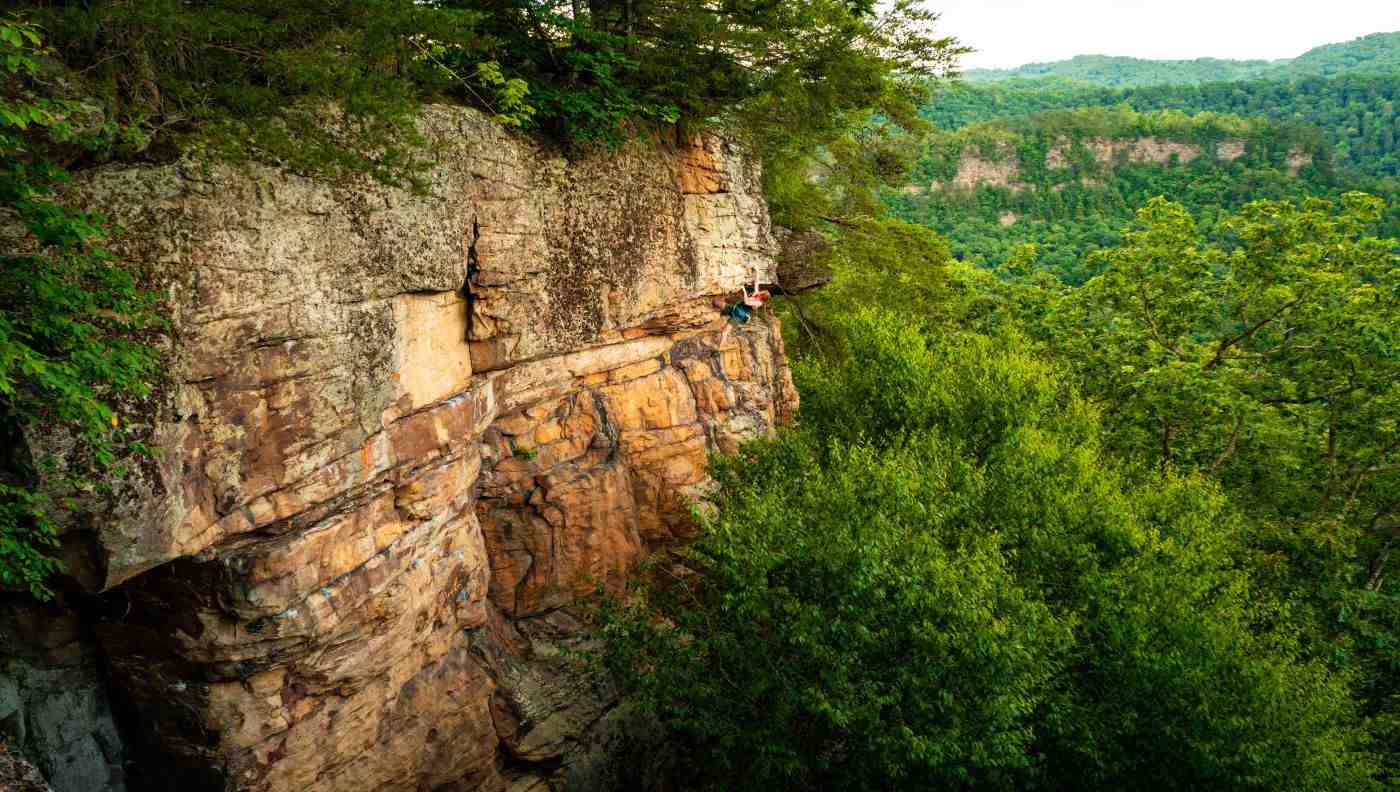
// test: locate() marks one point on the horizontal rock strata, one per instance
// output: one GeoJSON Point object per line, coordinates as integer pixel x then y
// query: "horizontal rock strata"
{"type": "Point", "coordinates": [403, 434]}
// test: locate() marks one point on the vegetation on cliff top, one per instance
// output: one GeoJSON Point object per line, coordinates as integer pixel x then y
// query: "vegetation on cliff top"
{"type": "Point", "coordinates": [258, 79]}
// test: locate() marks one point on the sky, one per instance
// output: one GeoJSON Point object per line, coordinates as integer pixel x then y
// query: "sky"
{"type": "Point", "coordinates": [1014, 32]}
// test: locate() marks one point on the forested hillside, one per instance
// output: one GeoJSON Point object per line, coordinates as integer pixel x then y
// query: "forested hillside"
{"type": "Point", "coordinates": [1174, 410]}
{"type": "Point", "coordinates": [1373, 53]}
{"type": "Point", "coordinates": [1358, 114]}
{"type": "Point", "coordinates": [1351, 91]}
{"type": "Point", "coordinates": [1338, 103]}
{"type": "Point", "coordinates": [1067, 181]}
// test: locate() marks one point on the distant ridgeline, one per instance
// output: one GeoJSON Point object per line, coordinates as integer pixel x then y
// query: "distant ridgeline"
{"type": "Point", "coordinates": [1069, 180]}
{"type": "Point", "coordinates": [1376, 52]}
{"type": "Point", "coordinates": [1119, 71]}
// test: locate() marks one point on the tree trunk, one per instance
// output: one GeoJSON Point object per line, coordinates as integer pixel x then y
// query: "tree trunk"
{"type": "Point", "coordinates": [627, 26]}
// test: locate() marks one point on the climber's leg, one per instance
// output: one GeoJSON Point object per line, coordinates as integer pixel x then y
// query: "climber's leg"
{"type": "Point", "coordinates": [724, 334]}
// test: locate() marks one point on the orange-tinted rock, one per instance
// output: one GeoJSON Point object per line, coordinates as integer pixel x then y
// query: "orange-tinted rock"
{"type": "Point", "coordinates": [576, 531]}
{"type": "Point", "coordinates": [575, 490]}
{"type": "Point", "coordinates": [699, 170]}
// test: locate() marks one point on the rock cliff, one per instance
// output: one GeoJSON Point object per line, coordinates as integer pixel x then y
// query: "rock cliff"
{"type": "Point", "coordinates": [1001, 167]}
{"type": "Point", "coordinates": [402, 435]}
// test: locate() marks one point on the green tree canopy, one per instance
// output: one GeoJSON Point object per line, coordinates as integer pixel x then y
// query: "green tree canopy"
{"type": "Point", "coordinates": [333, 87]}
{"type": "Point", "coordinates": [942, 581]}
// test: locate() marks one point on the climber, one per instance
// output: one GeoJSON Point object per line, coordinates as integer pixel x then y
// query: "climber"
{"type": "Point", "coordinates": [740, 312]}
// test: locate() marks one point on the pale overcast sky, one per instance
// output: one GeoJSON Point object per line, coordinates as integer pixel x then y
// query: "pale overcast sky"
{"type": "Point", "coordinates": [1013, 32]}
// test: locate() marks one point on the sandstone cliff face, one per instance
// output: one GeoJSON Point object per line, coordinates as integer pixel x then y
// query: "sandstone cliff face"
{"type": "Point", "coordinates": [975, 171]}
{"type": "Point", "coordinates": [402, 434]}
{"type": "Point", "coordinates": [1004, 170]}
{"type": "Point", "coordinates": [1109, 152]}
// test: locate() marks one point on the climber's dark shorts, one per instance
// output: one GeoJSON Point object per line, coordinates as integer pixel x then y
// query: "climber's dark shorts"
{"type": "Point", "coordinates": [739, 312]}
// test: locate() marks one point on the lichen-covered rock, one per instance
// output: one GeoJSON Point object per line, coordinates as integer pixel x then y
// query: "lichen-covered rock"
{"type": "Point", "coordinates": [53, 706]}
{"type": "Point", "coordinates": [394, 425]}
{"type": "Point", "coordinates": [17, 775]}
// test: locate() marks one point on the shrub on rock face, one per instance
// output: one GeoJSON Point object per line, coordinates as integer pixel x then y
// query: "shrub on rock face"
{"type": "Point", "coordinates": [71, 320]}
{"type": "Point", "coordinates": [939, 582]}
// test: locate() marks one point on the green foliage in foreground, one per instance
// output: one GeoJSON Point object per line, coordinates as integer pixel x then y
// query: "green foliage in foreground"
{"type": "Point", "coordinates": [944, 581]}
{"type": "Point", "coordinates": [68, 319]}
{"type": "Point", "coordinates": [1166, 499]}
{"type": "Point", "coordinates": [1271, 363]}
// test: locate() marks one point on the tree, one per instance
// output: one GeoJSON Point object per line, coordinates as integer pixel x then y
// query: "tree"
{"type": "Point", "coordinates": [884, 262]}
{"type": "Point", "coordinates": [1272, 361]}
